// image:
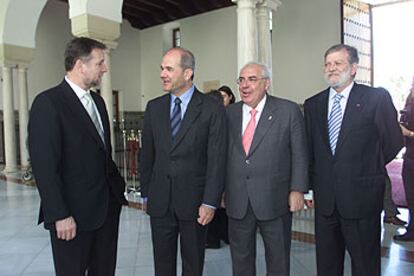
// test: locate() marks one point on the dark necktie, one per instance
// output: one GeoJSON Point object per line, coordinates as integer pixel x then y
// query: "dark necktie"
{"type": "Point", "coordinates": [176, 117]}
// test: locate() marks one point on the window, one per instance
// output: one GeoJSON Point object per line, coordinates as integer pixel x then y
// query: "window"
{"type": "Point", "coordinates": [176, 37]}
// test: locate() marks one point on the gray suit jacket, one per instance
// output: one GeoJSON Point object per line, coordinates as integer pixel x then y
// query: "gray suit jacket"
{"type": "Point", "coordinates": [276, 164]}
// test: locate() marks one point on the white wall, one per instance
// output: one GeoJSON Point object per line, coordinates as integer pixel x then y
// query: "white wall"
{"type": "Point", "coordinates": [212, 37]}
{"type": "Point", "coordinates": [126, 69]}
{"type": "Point", "coordinates": [151, 53]}
{"type": "Point", "coordinates": [302, 31]}
{"type": "Point", "coordinates": [53, 32]}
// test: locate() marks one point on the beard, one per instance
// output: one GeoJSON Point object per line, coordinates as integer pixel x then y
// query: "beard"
{"type": "Point", "coordinates": [344, 78]}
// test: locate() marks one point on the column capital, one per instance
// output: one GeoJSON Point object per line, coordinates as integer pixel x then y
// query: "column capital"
{"type": "Point", "coordinates": [269, 4]}
{"type": "Point", "coordinates": [11, 55]}
{"type": "Point", "coordinates": [110, 44]}
{"type": "Point", "coordinates": [95, 27]}
{"type": "Point", "coordinates": [246, 3]}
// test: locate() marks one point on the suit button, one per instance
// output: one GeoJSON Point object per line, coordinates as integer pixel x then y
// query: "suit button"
{"type": "Point", "coordinates": [247, 161]}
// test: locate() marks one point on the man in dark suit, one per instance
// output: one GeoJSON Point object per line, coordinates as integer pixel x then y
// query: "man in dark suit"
{"type": "Point", "coordinates": [353, 132]}
{"type": "Point", "coordinates": [182, 165]}
{"type": "Point", "coordinates": [80, 188]}
{"type": "Point", "coordinates": [267, 173]}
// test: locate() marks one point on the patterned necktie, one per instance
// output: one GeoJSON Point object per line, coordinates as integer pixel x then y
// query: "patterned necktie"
{"type": "Point", "coordinates": [334, 121]}
{"type": "Point", "coordinates": [91, 109]}
{"type": "Point", "coordinates": [249, 131]}
{"type": "Point", "coordinates": [176, 117]}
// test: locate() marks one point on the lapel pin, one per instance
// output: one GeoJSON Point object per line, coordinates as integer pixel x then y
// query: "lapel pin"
{"type": "Point", "coordinates": [358, 105]}
{"type": "Point", "coordinates": [270, 117]}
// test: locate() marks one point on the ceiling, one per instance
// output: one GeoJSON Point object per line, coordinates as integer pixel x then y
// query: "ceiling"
{"type": "Point", "coordinates": [147, 13]}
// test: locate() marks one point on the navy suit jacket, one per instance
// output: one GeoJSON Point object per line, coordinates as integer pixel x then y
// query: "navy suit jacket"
{"type": "Point", "coordinates": [352, 180]}
{"type": "Point", "coordinates": [74, 170]}
{"type": "Point", "coordinates": [185, 172]}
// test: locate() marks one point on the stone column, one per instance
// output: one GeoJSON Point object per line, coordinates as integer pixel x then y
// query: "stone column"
{"type": "Point", "coordinates": [264, 8]}
{"type": "Point", "coordinates": [8, 121]}
{"type": "Point", "coordinates": [23, 115]}
{"type": "Point", "coordinates": [246, 32]}
{"type": "Point", "coordinates": [106, 91]}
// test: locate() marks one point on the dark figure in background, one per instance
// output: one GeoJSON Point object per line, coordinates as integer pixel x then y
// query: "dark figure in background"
{"type": "Point", "coordinates": [407, 127]}
{"type": "Point", "coordinates": [227, 94]}
{"type": "Point", "coordinates": [218, 227]}
{"type": "Point", "coordinates": [390, 209]}
{"type": "Point", "coordinates": [353, 132]}
{"type": "Point", "coordinates": [184, 141]}
{"type": "Point", "coordinates": [80, 188]}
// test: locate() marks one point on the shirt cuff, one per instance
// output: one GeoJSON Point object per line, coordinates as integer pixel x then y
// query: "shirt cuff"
{"type": "Point", "coordinates": [308, 195]}
{"type": "Point", "coordinates": [210, 206]}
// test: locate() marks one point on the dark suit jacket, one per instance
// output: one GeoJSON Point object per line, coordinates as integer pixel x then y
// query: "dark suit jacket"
{"type": "Point", "coordinates": [188, 171]}
{"type": "Point", "coordinates": [353, 180]}
{"type": "Point", "coordinates": [276, 164]}
{"type": "Point", "coordinates": [74, 170]}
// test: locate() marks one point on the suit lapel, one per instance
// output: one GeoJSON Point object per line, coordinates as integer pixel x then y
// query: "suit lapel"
{"type": "Point", "coordinates": [193, 111]}
{"type": "Point", "coordinates": [237, 121]}
{"type": "Point", "coordinates": [351, 115]}
{"type": "Point", "coordinates": [265, 122]}
{"type": "Point", "coordinates": [75, 105]}
{"type": "Point", "coordinates": [323, 118]}
{"type": "Point", "coordinates": [164, 120]}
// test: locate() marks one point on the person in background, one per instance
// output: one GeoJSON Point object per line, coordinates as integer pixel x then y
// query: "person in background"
{"type": "Point", "coordinates": [182, 167]}
{"type": "Point", "coordinates": [390, 209]}
{"type": "Point", "coordinates": [352, 132]}
{"type": "Point", "coordinates": [228, 96]}
{"type": "Point", "coordinates": [218, 227]}
{"type": "Point", "coordinates": [80, 188]}
{"type": "Point", "coordinates": [407, 127]}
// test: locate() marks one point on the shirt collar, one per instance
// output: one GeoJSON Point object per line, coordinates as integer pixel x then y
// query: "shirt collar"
{"type": "Point", "coordinates": [185, 97]}
{"type": "Point", "coordinates": [76, 88]}
{"type": "Point", "coordinates": [260, 106]}
{"type": "Point", "coordinates": [344, 93]}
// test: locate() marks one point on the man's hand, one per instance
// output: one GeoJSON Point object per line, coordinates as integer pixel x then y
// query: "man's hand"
{"type": "Point", "coordinates": [66, 229]}
{"type": "Point", "coordinates": [295, 201]}
{"type": "Point", "coordinates": [205, 214]}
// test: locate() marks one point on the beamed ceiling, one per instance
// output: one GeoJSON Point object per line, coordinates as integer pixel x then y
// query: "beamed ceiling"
{"type": "Point", "coordinates": [147, 13]}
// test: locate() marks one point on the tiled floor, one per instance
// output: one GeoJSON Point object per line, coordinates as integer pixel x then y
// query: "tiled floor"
{"type": "Point", "coordinates": [25, 247]}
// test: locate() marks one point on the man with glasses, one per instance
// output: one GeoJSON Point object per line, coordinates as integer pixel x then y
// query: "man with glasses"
{"type": "Point", "coordinates": [266, 173]}
{"type": "Point", "coordinates": [353, 132]}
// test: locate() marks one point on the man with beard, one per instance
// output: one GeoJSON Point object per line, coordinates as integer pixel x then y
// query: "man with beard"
{"type": "Point", "coordinates": [183, 159]}
{"type": "Point", "coordinates": [80, 188]}
{"type": "Point", "coordinates": [353, 132]}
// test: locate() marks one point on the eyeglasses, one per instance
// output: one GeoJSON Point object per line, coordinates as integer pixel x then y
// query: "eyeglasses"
{"type": "Point", "coordinates": [241, 80]}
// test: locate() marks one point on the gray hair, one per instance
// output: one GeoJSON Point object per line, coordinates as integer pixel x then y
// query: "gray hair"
{"type": "Point", "coordinates": [352, 52]}
{"type": "Point", "coordinates": [265, 69]}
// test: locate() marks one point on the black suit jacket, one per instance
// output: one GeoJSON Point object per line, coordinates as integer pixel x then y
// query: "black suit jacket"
{"type": "Point", "coordinates": [184, 173]}
{"type": "Point", "coordinates": [353, 179]}
{"type": "Point", "coordinates": [74, 170]}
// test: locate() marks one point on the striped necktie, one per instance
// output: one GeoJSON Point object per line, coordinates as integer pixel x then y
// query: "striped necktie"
{"type": "Point", "coordinates": [334, 121]}
{"type": "Point", "coordinates": [91, 109]}
{"type": "Point", "coordinates": [176, 117]}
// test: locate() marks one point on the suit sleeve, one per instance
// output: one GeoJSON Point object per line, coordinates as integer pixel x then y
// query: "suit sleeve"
{"type": "Point", "coordinates": [147, 153]}
{"type": "Point", "coordinates": [216, 157]}
{"type": "Point", "coordinates": [45, 142]}
{"type": "Point", "coordinates": [388, 127]}
{"type": "Point", "coordinates": [299, 151]}
{"type": "Point", "coordinates": [308, 127]}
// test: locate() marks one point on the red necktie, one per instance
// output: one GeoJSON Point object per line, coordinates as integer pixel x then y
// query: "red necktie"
{"type": "Point", "coordinates": [249, 132]}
